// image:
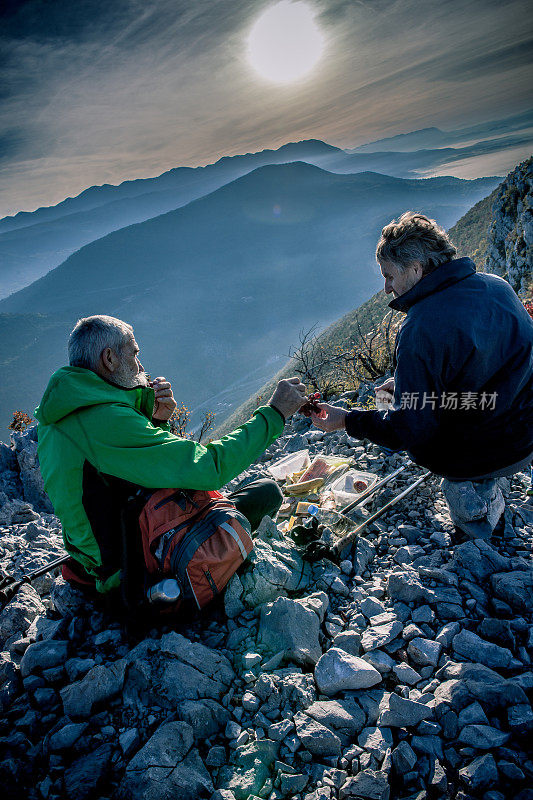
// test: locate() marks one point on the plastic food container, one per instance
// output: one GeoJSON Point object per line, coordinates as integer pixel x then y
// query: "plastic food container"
{"type": "Point", "coordinates": [350, 485]}
{"type": "Point", "coordinates": [294, 462]}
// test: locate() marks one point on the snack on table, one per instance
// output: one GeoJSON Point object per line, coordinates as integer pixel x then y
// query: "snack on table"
{"type": "Point", "coordinates": [304, 487]}
{"type": "Point", "coordinates": [318, 469]}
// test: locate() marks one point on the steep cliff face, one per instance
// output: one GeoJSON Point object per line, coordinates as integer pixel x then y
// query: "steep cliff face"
{"type": "Point", "coordinates": [510, 241]}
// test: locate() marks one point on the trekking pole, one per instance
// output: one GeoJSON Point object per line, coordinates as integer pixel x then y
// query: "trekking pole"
{"type": "Point", "coordinates": [364, 495]}
{"type": "Point", "coordinates": [349, 538]}
{"type": "Point", "coordinates": [9, 586]}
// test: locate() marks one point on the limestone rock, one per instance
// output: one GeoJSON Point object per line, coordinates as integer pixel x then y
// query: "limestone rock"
{"type": "Point", "coordinates": [315, 737]}
{"type": "Point", "coordinates": [469, 645]}
{"type": "Point", "coordinates": [407, 587]}
{"type": "Point", "coordinates": [83, 777]}
{"type": "Point", "coordinates": [101, 683]}
{"type": "Point", "coordinates": [20, 612]}
{"type": "Point", "coordinates": [289, 626]}
{"type": "Point", "coordinates": [403, 713]}
{"type": "Point", "coordinates": [167, 766]}
{"type": "Point", "coordinates": [338, 671]}
{"type": "Point", "coordinates": [515, 588]}
{"type": "Point", "coordinates": [481, 773]}
{"type": "Point", "coordinates": [424, 651]}
{"type": "Point", "coordinates": [43, 655]}
{"type": "Point", "coordinates": [367, 784]}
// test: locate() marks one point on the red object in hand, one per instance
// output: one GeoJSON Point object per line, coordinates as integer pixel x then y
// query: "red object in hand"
{"type": "Point", "coordinates": [311, 406]}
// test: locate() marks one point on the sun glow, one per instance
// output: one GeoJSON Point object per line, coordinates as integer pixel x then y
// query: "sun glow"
{"type": "Point", "coordinates": [285, 43]}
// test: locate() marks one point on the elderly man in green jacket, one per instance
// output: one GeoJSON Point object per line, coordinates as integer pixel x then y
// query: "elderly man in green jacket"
{"type": "Point", "coordinates": [103, 431]}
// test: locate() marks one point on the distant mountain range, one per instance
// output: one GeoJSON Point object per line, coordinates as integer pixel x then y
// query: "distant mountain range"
{"type": "Point", "coordinates": [429, 138]}
{"type": "Point", "coordinates": [218, 289]}
{"type": "Point", "coordinates": [33, 243]}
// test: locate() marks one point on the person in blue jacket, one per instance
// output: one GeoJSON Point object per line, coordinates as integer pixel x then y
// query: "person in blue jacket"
{"type": "Point", "coordinates": [463, 366]}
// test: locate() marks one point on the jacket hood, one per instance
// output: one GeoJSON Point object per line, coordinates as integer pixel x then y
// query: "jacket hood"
{"type": "Point", "coordinates": [443, 276]}
{"type": "Point", "coordinates": [71, 389]}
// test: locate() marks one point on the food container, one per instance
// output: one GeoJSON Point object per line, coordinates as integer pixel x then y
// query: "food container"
{"type": "Point", "coordinates": [350, 485]}
{"type": "Point", "coordinates": [294, 462]}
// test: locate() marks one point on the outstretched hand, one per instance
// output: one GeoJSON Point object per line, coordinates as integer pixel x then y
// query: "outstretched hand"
{"type": "Point", "coordinates": [164, 399]}
{"type": "Point", "coordinates": [289, 396]}
{"type": "Point", "coordinates": [334, 421]}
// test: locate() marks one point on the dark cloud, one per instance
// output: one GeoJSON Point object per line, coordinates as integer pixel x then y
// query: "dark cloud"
{"type": "Point", "coordinates": [515, 55]}
{"type": "Point", "coordinates": [62, 19]}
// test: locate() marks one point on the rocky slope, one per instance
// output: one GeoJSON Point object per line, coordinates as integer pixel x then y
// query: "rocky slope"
{"type": "Point", "coordinates": [405, 672]}
{"type": "Point", "coordinates": [510, 239]}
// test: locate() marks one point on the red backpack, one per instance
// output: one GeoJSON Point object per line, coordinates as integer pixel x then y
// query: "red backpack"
{"type": "Point", "coordinates": [197, 537]}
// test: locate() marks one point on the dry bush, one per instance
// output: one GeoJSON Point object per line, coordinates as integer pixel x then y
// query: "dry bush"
{"type": "Point", "coordinates": [20, 421]}
{"type": "Point", "coordinates": [362, 357]}
{"type": "Point", "coordinates": [180, 421]}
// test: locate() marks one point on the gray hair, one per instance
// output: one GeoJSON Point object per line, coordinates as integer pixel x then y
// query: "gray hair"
{"type": "Point", "coordinates": [91, 335]}
{"type": "Point", "coordinates": [414, 237]}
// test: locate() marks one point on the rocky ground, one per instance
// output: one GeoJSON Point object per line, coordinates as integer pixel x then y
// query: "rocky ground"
{"type": "Point", "coordinates": [405, 672]}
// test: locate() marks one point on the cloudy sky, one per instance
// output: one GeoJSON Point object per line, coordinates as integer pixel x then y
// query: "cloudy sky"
{"type": "Point", "coordinates": [97, 91]}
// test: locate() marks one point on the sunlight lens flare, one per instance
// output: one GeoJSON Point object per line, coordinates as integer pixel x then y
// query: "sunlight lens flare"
{"type": "Point", "coordinates": [285, 43]}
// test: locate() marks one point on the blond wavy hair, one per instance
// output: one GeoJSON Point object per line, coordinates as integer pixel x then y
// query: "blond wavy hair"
{"type": "Point", "coordinates": [414, 237]}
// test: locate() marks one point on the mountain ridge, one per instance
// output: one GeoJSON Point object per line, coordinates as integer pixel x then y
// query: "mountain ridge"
{"type": "Point", "coordinates": [258, 248]}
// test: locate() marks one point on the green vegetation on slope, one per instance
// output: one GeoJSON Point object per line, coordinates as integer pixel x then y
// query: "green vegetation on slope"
{"type": "Point", "coordinates": [470, 233]}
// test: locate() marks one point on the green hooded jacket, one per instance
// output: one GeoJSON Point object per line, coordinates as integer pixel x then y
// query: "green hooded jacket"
{"type": "Point", "coordinates": [97, 441]}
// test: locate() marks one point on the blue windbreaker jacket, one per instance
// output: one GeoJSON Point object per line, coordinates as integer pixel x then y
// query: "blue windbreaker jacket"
{"type": "Point", "coordinates": [465, 351]}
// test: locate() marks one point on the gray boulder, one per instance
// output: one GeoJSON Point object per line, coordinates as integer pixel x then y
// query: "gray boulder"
{"type": "Point", "coordinates": [43, 655]}
{"type": "Point", "coordinates": [465, 683]}
{"type": "Point", "coordinates": [10, 483]}
{"type": "Point", "coordinates": [380, 635]}
{"type": "Point", "coordinates": [475, 507]}
{"type": "Point", "coordinates": [403, 713]}
{"type": "Point", "coordinates": [175, 669]}
{"type": "Point", "coordinates": [274, 568]}
{"type": "Point", "coordinates": [33, 487]}
{"type": "Point", "coordinates": [481, 773]}
{"type": "Point", "coordinates": [515, 588]}
{"type": "Point", "coordinates": [9, 681]}
{"type": "Point", "coordinates": [84, 775]}
{"type": "Point", "coordinates": [424, 651]}
{"type": "Point", "coordinates": [344, 717]}
{"type": "Point", "coordinates": [407, 587]}
{"type": "Point", "coordinates": [167, 767]}
{"type": "Point", "coordinates": [482, 737]}
{"type": "Point", "coordinates": [101, 683]}
{"type": "Point", "coordinates": [67, 600]}
{"type": "Point", "coordinates": [16, 617]}
{"type": "Point", "coordinates": [479, 558]}
{"type": "Point", "coordinates": [289, 626]}
{"type": "Point", "coordinates": [315, 737]}
{"type": "Point", "coordinates": [367, 784]}
{"type": "Point", "coordinates": [469, 645]}
{"type": "Point", "coordinates": [338, 671]}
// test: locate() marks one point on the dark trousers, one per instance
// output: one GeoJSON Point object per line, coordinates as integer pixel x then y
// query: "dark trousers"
{"type": "Point", "coordinates": [257, 499]}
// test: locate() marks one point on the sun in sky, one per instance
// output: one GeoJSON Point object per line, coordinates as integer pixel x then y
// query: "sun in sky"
{"type": "Point", "coordinates": [285, 42]}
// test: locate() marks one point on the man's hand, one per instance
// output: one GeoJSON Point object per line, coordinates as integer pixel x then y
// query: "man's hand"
{"type": "Point", "coordinates": [335, 420]}
{"type": "Point", "coordinates": [164, 399]}
{"type": "Point", "coordinates": [387, 386]}
{"type": "Point", "coordinates": [289, 396]}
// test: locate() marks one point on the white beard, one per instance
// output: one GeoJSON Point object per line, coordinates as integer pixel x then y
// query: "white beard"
{"type": "Point", "coordinates": [126, 380]}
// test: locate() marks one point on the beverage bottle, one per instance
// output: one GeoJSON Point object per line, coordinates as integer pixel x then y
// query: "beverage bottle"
{"type": "Point", "coordinates": [166, 591]}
